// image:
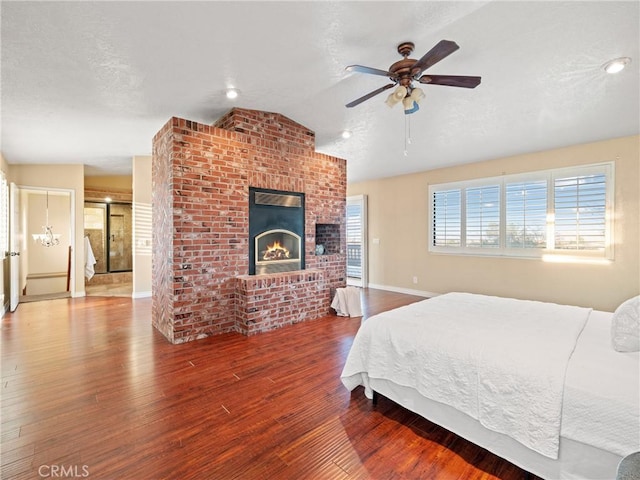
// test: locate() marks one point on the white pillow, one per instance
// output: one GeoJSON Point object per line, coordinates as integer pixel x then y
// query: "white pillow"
{"type": "Point", "coordinates": [625, 326]}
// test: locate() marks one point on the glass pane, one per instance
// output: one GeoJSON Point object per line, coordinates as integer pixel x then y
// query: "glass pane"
{"type": "Point", "coordinates": [580, 212]}
{"type": "Point", "coordinates": [446, 219]}
{"type": "Point", "coordinates": [483, 217]}
{"type": "Point", "coordinates": [95, 223]}
{"type": "Point", "coordinates": [120, 238]}
{"type": "Point", "coordinates": [354, 240]}
{"type": "Point", "coordinates": [526, 212]}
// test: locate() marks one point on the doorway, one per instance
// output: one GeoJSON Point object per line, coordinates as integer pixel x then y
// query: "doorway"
{"type": "Point", "coordinates": [108, 230]}
{"type": "Point", "coordinates": [357, 241]}
{"type": "Point", "coordinates": [44, 239]}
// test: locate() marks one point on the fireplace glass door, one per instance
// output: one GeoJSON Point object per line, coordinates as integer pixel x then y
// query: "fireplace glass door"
{"type": "Point", "coordinates": [277, 251]}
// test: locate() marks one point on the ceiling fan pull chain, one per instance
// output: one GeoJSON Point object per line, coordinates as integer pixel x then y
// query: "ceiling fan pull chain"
{"type": "Point", "coordinates": [407, 134]}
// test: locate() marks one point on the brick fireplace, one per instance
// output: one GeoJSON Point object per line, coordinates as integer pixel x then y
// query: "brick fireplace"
{"type": "Point", "coordinates": [276, 231]}
{"type": "Point", "coordinates": [203, 179]}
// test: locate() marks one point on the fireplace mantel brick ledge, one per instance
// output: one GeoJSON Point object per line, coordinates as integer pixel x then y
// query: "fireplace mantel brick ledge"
{"type": "Point", "coordinates": [265, 302]}
{"type": "Point", "coordinates": [201, 176]}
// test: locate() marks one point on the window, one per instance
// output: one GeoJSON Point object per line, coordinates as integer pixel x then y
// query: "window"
{"type": "Point", "coordinates": [526, 213]}
{"type": "Point", "coordinates": [446, 218]}
{"type": "Point", "coordinates": [483, 217]}
{"type": "Point", "coordinates": [354, 240]}
{"type": "Point", "coordinates": [580, 212]}
{"type": "Point", "coordinates": [551, 212]}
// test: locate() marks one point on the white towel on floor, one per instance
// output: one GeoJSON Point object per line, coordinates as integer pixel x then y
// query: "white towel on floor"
{"type": "Point", "coordinates": [347, 302]}
{"type": "Point", "coordinates": [89, 259]}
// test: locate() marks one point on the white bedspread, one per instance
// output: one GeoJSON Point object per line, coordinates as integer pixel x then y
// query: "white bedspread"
{"type": "Point", "coordinates": [602, 391]}
{"type": "Point", "coordinates": [501, 361]}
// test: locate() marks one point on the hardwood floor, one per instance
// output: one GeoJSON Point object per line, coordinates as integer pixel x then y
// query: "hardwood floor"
{"type": "Point", "coordinates": [91, 390]}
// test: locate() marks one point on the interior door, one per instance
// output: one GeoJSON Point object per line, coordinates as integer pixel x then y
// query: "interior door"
{"type": "Point", "coordinates": [14, 247]}
{"type": "Point", "coordinates": [4, 242]}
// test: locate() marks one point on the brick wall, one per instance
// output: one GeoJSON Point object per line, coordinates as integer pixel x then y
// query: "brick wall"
{"type": "Point", "coordinates": [201, 177]}
{"type": "Point", "coordinates": [271, 301]}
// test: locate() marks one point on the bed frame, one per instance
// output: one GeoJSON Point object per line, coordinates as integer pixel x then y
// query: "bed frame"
{"type": "Point", "coordinates": [576, 460]}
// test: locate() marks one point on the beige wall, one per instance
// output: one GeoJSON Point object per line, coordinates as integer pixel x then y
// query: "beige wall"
{"type": "Point", "coordinates": [68, 177]}
{"type": "Point", "coordinates": [141, 226]}
{"type": "Point", "coordinates": [118, 182]}
{"type": "Point", "coordinates": [398, 217]}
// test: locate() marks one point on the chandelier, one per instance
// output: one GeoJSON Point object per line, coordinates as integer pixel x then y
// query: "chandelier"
{"type": "Point", "coordinates": [48, 238]}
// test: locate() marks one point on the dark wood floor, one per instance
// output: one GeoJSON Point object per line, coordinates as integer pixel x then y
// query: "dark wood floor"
{"type": "Point", "coordinates": [91, 390]}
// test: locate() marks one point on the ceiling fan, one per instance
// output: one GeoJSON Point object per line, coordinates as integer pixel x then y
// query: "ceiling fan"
{"type": "Point", "coordinates": [404, 72]}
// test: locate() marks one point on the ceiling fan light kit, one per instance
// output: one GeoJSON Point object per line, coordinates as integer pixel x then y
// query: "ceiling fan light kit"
{"type": "Point", "coordinates": [410, 106]}
{"type": "Point", "coordinates": [397, 95]}
{"type": "Point", "coordinates": [404, 72]}
{"type": "Point", "coordinates": [411, 101]}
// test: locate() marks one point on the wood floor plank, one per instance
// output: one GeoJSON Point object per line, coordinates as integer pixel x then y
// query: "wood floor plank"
{"type": "Point", "coordinates": [89, 383]}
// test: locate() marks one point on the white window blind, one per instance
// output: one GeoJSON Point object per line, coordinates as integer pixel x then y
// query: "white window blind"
{"type": "Point", "coordinates": [483, 217]}
{"type": "Point", "coordinates": [446, 218]}
{"type": "Point", "coordinates": [580, 212]}
{"type": "Point", "coordinates": [354, 223]}
{"type": "Point", "coordinates": [526, 214]}
{"type": "Point", "coordinates": [551, 212]}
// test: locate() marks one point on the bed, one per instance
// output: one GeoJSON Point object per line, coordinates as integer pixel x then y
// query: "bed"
{"type": "Point", "coordinates": [536, 383]}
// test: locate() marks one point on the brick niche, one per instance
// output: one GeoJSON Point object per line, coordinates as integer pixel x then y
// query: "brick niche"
{"type": "Point", "coordinates": [201, 177]}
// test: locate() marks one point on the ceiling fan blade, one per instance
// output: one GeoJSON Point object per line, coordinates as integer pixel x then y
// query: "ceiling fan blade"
{"type": "Point", "coordinates": [443, 49]}
{"type": "Point", "coordinates": [451, 80]}
{"type": "Point", "coordinates": [373, 71]}
{"type": "Point", "coordinates": [369, 95]}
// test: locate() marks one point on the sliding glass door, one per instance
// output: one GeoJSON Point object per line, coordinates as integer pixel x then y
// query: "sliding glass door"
{"type": "Point", "coordinates": [357, 240]}
{"type": "Point", "coordinates": [109, 229]}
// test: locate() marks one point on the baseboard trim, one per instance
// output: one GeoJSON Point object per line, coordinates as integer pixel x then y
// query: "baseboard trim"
{"type": "Point", "coordinates": [407, 291]}
{"type": "Point", "coordinates": [141, 295]}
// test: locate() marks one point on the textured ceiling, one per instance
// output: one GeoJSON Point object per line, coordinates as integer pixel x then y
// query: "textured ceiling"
{"type": "Point", "coordinates": [92, 82]}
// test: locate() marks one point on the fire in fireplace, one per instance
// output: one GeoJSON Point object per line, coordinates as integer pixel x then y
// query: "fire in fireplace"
{"type": "Point", "coordinates": [276, 231]}
{"type": "Point", "coordinates": [277, 251]}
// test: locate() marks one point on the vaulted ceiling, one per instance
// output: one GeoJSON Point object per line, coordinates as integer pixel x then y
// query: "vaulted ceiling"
{"type": "Point", "coordinates": [92, 82]}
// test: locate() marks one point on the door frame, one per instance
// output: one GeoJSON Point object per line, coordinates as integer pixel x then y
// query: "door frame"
{"type": "Point", "coordinates": [5, 293]}
{"type": "Point", "coordinates": [364, 272]}
{"type": "Point", "coordinates": [15, 236]}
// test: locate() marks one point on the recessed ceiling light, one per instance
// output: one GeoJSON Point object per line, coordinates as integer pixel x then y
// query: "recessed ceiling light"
{"type": "Point", "coordinates": [346, 134]}
{"type": "Point", "coordinates": [616, 65]}
{"type": "Point", "coordinates": [107, 199]}
{"type": "Point", "coordinates": [232, 93]}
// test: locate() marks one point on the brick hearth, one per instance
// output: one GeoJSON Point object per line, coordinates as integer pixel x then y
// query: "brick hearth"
{"type": "Point", "coordinates": [201, 179]}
